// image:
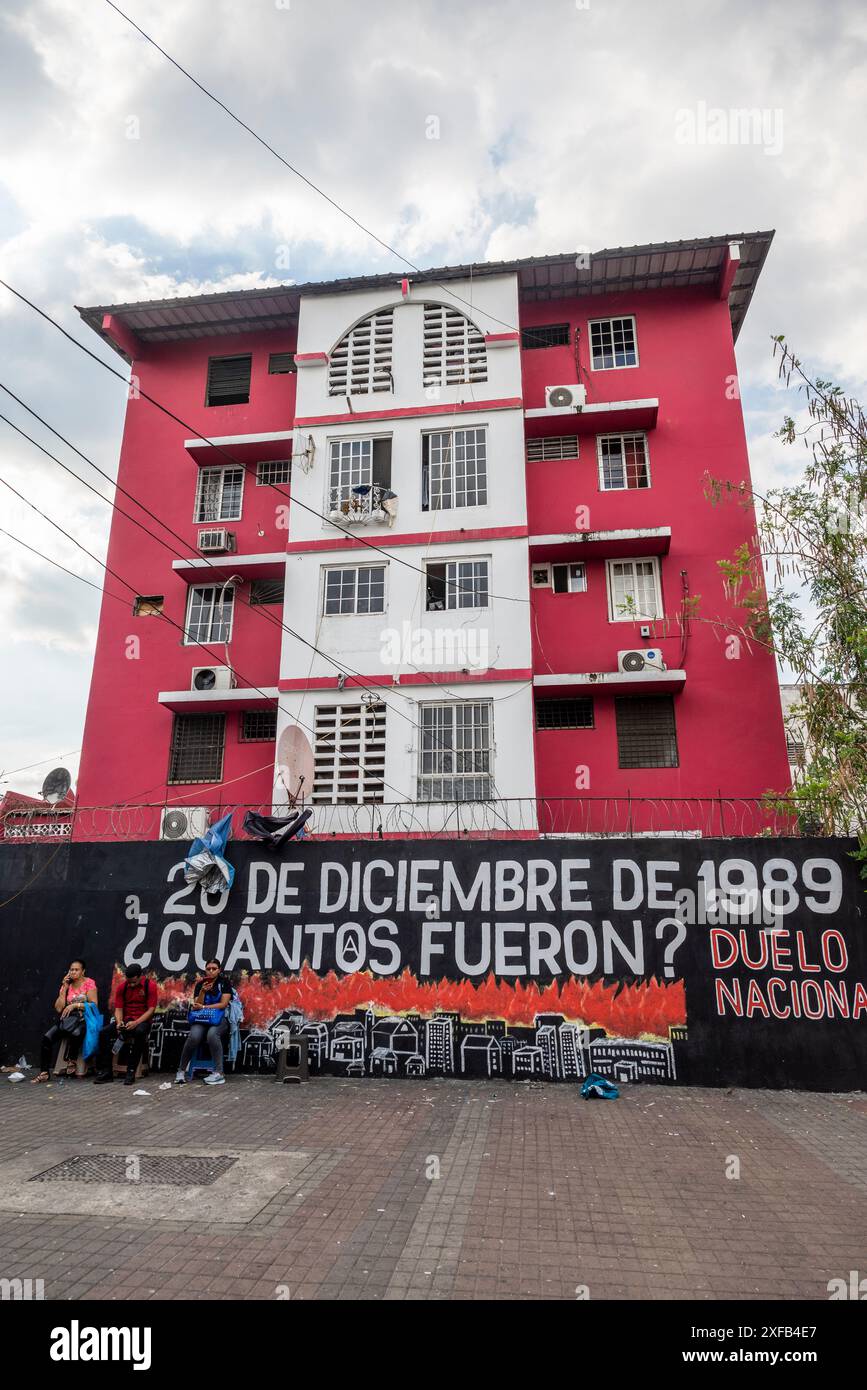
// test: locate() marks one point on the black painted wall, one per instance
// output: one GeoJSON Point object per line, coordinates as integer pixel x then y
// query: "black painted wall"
{"type": "Point", "coordinates": [750, 988]}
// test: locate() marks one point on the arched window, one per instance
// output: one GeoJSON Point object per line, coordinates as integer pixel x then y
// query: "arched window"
{"type": "Point", "coordinates": [454, 349]}
{"type": "Point", "coordinates": [361, 362]}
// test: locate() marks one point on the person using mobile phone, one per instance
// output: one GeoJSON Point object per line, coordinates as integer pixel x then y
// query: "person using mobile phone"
{"type": "Point", "coordinates": [76, 990]}
{"type": "Point", "coordinates": [135, 1002]}
{"type": "Point", "coordinates": [211, 995]}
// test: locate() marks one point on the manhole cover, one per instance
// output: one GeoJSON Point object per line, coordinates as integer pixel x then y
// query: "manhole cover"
{"type": "Point", "coordinates": [153, 1170]}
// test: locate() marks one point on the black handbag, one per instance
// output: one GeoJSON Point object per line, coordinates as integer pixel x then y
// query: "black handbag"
{"type": "Point", "coordinates": [72, 1026]}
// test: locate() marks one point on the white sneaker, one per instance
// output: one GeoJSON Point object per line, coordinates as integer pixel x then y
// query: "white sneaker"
{"type": "Point", "coordinates": [180, 1079]}
{"type": "Point", "coordinates": [215, 1078]}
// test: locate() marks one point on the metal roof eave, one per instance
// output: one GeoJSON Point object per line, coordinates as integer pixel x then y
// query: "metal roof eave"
{"type": "Point", "coordinates": [657, 265]}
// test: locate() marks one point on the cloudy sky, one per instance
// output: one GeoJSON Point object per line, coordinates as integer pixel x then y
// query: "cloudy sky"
{"type": "Point", "coordinates": [561, 125]}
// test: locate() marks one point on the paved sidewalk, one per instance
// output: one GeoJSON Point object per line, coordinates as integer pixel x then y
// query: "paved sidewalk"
{"type": "Point", "coordinates": [444, 1190]}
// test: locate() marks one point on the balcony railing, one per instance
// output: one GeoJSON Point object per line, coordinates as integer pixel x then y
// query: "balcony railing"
{"type": "Point", "coordinates": [495, 818]}
{"type": "Point", "coordinates": [361, 504]}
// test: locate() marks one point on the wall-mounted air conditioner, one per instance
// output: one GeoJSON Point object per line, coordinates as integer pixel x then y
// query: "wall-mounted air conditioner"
{"type": "Point", "coordinates": [540, 576]}
{"type": "Point", "coordinates": [184, 822]}
{"type": "Point", "coordinates": [212, 678]}
{"type": "Point", "coordinates": [565, 400]}
{"type": "Point", "coordinates": [641, 659]}
{"type": "Point", "coordinates": [219, 541]}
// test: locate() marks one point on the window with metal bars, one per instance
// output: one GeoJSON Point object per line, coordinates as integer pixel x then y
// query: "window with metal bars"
{"type": "Point", "coordinates": [281, 363]}
{"type": "Point", "coordinates": [555, 446]}
{"type": "Point", "coordinates": [355, 589]}
{"type": "Point", "coordinates": [455, 752]}
{"type": "Point", "coordinates": [264, 591]}
{"type": "Point", "coordinates": [454, 469]}
{"type": "Point", "coordinates": [258, 726]}
{"type": "Point", "coordinates": [273, 471]}
{"type": "Point", "coordinates": [646, 734]}
{"type": "Point", "coordinates": [623, 462]}
{"type": "Point", "coordinates": [633, 590]}
{"type": "Point", "coordinates": [197, 747]}
{"type": "Point", "coordinates": [564, 714]}
{"type": "Point", "coordinates": [454, 348]}
{"type": "Point", "coordinates": [456, 584]}
{"type": "Point", "coordinates": [219, 494]}
{"type": "Point", "coordinates": [229, 380]}
{"type": "Point", "coordinates": [360, 471]}
{"type": "Point", "coordinates": [349, 754]}
{"type": "Point", "coordinates": [361, 363]}
{"type": "Point", "coordinates": [209, 613]}
{"type": "Point", "coordinates": [545, 335]}
{"type": "Point", "coordinates": [612, 343]}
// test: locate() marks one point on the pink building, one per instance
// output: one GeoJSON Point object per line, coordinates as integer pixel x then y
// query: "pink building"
{"type": "Point", "coordinates": [493, 604]}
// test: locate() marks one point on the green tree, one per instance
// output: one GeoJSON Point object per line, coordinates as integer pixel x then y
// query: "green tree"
{"type": "Point", "coordinates": [803, 589]}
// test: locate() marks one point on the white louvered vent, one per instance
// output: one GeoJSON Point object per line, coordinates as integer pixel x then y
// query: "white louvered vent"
{"type": "Point", "coordinates": [454, 349]}
{"type": "Point", "coordinates": [361, 362]}
{"type": "Point", "coordinates": [553, 446]}
{"type": "Point", "coordinates": [349, 754]}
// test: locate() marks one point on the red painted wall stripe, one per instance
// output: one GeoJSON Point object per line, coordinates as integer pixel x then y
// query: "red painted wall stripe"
{"type": "Point", "coordinates": [486, 677]}
{"type": "Point", "coordinates": [410, 412]}
{"type": "Point", "coordinates": [489, 533]}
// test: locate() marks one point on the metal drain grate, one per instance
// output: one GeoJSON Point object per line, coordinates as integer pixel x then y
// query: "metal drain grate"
{"type": "Point", "coordinates": [151, 1170]}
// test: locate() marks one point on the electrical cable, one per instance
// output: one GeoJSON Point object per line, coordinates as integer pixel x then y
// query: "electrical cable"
{"type": "Point", "coordinates": [224, 453]}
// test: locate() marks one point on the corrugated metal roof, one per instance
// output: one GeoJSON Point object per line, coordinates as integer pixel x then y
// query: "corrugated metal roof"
{"type": "Point", "coordinates": [661, 265]}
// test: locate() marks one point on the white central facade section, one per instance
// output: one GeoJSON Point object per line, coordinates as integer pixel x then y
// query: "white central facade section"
{"type": "Point", "coordinates": [409, 436]}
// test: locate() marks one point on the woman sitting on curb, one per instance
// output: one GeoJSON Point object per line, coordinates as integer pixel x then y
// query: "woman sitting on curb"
{"type": "Point", "coordinates": [208, 1022]}
{"type": "Point", "coordinates": [76, 990]}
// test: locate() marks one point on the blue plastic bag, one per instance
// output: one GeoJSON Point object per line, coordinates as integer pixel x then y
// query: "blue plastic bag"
{"type": "Point", "coordinates": [205, 863]}
{"type": "Point", "coordinates": [596, 1087]}
{"type": "Point", "coordinates": [93, 1021]}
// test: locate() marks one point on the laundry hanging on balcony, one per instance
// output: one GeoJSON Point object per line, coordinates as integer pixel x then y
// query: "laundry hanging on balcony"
{"type": "Point", "coordinates": [277, 831]}
{"type": "Point", "coordinates": [205, 863]}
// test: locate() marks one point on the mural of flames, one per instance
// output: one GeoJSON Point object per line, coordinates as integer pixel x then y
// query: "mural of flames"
{"type": "Point", "coordinates": [646, 1009]}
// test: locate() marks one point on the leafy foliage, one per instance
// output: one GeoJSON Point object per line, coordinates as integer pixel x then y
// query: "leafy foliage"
{"type": "Point", "coordinates": [811, 553]}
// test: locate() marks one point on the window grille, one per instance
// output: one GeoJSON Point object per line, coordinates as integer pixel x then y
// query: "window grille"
{"type": "Point", "coordinates": [555, 446]}
{"type": "Point", "coordinates": [197, 748]}
{"type": "Point", "coordinates": [454, 348]}
{"type": "Point", "coordinates": [349, 754]}
{"type": "Point", "coordinates": [623, 461]}
{"type": "Point", "coordinates": [209, 613]}
{"type": "Point", "coordinates": [258, 726]}
{"type": "Point", "coordinates": [264, 591]}
{"type": "Point", "coordinates": [646, 734]}
{"type": "Point", "coordinates": [361, 363]}
{"type": "Point", "coordinates": [564, 714]}
{"type": "Point", "coordinates": [545, 335]}
{"type": "Point", "coordinates": [455, 752]}
{"type": "Point", "coordinates": [219, 494]}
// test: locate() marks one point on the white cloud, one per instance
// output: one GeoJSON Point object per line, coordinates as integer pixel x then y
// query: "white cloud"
{"type": "Point", "coordinates": [556, 130]}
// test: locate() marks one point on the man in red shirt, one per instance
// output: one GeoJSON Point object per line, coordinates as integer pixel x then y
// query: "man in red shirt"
{"type": "Point", "coordinates": [135, 1001]}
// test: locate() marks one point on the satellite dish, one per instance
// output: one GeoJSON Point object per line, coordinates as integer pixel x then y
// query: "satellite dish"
{"type": "Point", "coordinates": [56, 785]}
{"type": "Point", "coordinates": [295, 761]}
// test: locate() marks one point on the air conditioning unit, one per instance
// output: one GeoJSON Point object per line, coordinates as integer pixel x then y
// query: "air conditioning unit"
{"type": "Point", "coordinates": [565, 400]}
{"type": "Point", "coordinates": [184, 822]}
{"type": "Point", "coordinates": [216, 542]}
{"type": "Point", "coordinates": [540, 576]}
{"type": "Point", "coordinates": [212, 678]}
{"type": "Point", "coordinates": [641, 659]}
